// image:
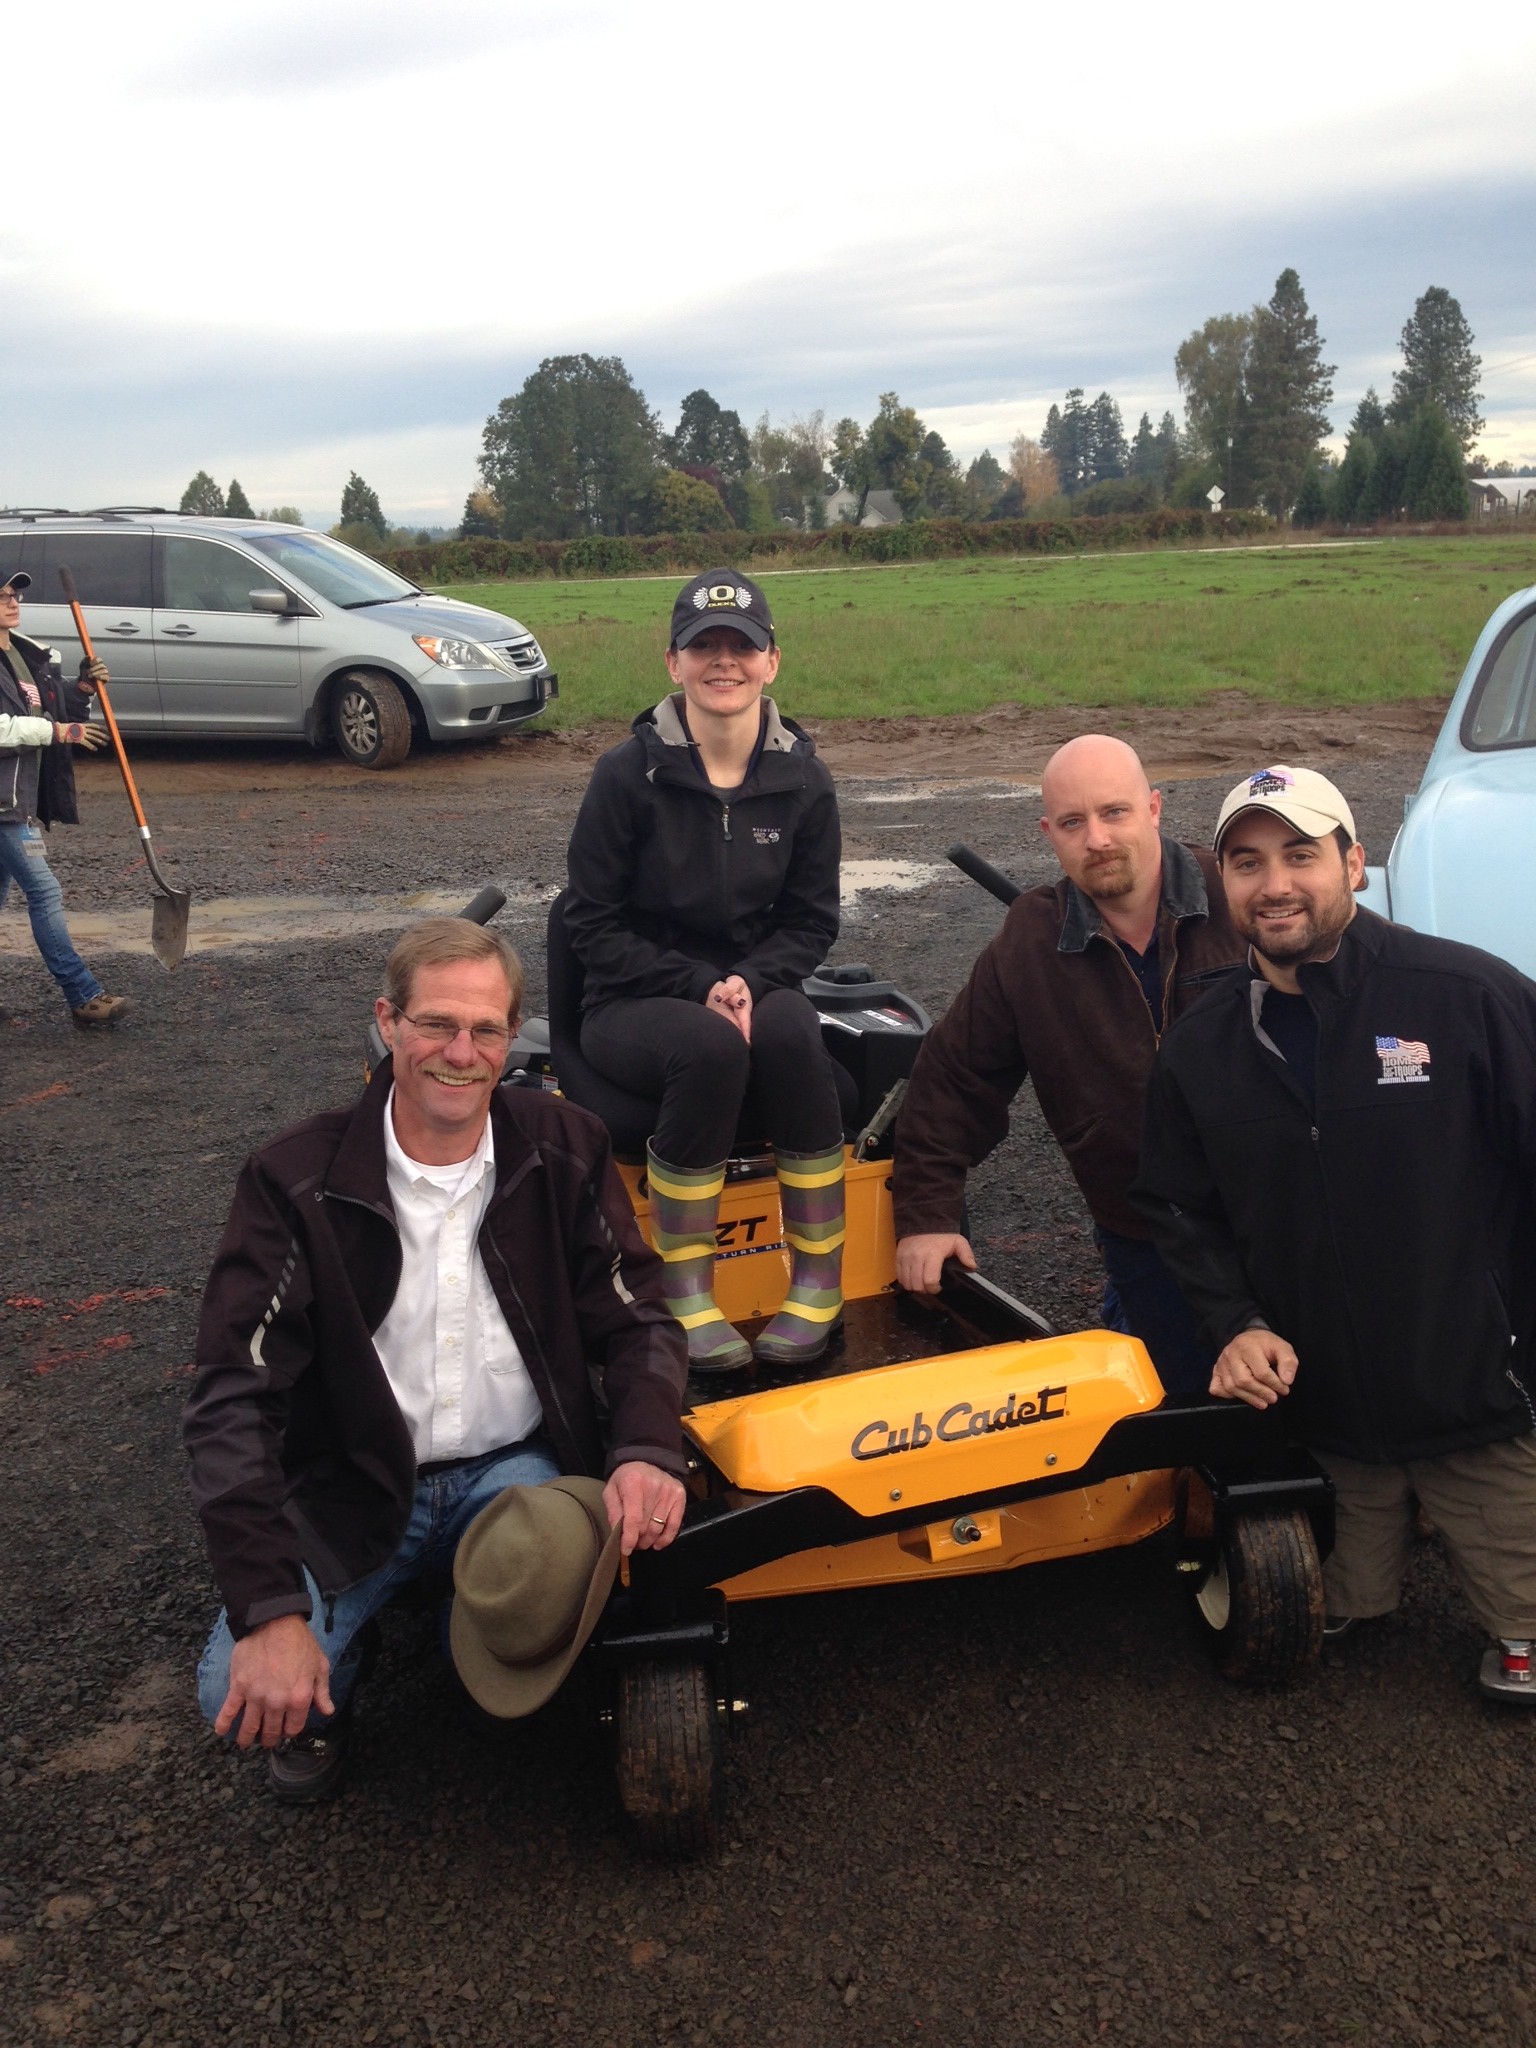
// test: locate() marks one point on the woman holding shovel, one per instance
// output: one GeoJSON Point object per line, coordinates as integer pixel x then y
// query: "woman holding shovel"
{"type": "Point", "coordinates": [40, 720]}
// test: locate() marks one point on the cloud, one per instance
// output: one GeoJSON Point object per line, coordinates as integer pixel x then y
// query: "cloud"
{"type": "Point", "coordinates": [331, 226]}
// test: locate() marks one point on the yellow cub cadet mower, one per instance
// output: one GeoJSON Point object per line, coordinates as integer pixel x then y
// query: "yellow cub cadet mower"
{"type": "Point", "coordinates": [938, 1437]}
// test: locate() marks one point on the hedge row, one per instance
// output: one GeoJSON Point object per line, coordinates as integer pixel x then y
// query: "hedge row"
{"type": "Point", "coordinates": [922, 540]}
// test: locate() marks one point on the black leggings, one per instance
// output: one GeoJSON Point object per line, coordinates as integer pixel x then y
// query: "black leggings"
{"type": "Point", "coordinates": [702, 1069]}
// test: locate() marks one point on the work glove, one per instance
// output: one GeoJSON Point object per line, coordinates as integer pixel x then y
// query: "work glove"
{"type": "Point", "coordinates": [92, 672]}
{"type": "Point", "coordinates": [72, 733]}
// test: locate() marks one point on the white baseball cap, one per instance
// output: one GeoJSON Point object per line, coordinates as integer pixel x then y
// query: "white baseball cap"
{"type": "Point", "coordinates": [1300, 796]}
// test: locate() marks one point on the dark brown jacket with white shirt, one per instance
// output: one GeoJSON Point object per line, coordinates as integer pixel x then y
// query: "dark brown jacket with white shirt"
{"type": "Point", "coordinates": [300, 1454]}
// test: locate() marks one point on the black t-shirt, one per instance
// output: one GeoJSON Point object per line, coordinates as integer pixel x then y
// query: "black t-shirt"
{"type": "Point", "coordinates": [1148, 972]}
{"type": "Point", "coordinates": [1291, 1023]}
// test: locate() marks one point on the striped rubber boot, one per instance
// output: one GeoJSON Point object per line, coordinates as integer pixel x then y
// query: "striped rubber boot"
{"type": "Point", "coordinates": [685, 1205]}
{"type": "Point", "coordinates": [811, 1202]}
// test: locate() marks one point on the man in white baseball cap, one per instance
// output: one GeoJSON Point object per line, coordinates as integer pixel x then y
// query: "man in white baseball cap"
{"type": "Point", "coordinates": [1339, 1167]}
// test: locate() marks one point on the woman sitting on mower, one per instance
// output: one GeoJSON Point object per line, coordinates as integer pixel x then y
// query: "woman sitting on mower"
{"type": "Point", "coordinates": [703, 889]}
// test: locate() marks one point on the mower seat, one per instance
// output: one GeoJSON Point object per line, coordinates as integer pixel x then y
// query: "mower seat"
{"type": "Point", "coordinates": [630, 1118]}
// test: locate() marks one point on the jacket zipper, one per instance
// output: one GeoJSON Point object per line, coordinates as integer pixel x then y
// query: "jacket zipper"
{"type": "Point", "coordinates": [1315, 1138]}
{"type": "Point", "coordinates": [1119, 951]}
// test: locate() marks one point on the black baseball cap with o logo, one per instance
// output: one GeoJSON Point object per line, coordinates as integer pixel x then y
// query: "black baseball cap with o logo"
{"type": "Point", "coordinates": [722, 597]}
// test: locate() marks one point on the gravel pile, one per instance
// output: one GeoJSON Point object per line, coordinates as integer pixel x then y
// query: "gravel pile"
{"type": "Point", "coordinates": [1018, 1809]}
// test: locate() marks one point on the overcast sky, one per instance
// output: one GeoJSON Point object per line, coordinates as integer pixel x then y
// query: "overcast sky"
{"type": "Point", "coordinates": [333, 234]}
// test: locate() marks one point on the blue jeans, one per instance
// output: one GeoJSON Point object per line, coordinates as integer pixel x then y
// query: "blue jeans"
{"type": "Point", "coordinates": [445, 1505]}
{"type": "Point", "coordinates": [1142, 1299]}
{"type": "Point", "coordinates": [24, 862]}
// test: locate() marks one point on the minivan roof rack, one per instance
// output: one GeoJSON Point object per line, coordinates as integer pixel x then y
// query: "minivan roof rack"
{"type": "Point", "coordinates": [37, 512]}
{"type": "Point", "coordinates": [118, 511]}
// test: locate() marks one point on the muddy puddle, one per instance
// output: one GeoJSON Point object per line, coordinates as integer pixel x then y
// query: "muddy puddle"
{"type": "Point", "coordinates": [228, 922]}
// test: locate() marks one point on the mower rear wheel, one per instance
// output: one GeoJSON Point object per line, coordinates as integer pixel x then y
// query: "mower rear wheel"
{"type": "Point", "coordinates": [1262, 1597]}
{"type": "Point", "coordinates": [670, 1756]}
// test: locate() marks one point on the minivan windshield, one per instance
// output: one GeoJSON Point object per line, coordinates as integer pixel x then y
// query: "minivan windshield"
{"type": "Point", "coordinates": [335, 572]}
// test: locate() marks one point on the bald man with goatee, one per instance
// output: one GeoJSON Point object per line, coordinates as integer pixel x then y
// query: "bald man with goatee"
{"type": "Point", "coordinates": [1074, 994]}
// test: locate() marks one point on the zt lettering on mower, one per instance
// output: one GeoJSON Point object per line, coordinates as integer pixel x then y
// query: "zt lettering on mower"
{"type": "Point", "coordinates": [958, 1423]}
{"type": "Point", "coordinates": [738, 1239]}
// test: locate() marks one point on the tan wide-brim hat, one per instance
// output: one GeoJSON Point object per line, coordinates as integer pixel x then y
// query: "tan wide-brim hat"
{"type": "Point", "coordinates": [531, 1577]}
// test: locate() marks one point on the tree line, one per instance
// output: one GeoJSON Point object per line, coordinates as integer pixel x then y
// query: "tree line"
{"type": "Point", "coordinates": [577, 451]}
{"type": "Point", "coordinates": [362, 524]}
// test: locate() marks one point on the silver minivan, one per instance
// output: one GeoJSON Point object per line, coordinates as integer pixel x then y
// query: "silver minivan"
{"type": "Point", "coordinates": [235, 628]}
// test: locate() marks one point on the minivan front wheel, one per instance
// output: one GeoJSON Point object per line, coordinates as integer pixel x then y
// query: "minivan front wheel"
{"type": "Point", "coordinates": [371, 721]}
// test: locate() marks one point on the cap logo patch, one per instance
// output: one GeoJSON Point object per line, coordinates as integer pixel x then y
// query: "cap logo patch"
{"type": "Point", "coordinates": [1270, 782]}
{"type": "Point", "coordinates": [1402, 1059]}
{"type": "Point", "coordinates": [720, 596]}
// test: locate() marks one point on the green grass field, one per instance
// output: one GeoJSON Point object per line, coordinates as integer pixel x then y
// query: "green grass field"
{"type": "Point", "coordinates": [1294, 625]}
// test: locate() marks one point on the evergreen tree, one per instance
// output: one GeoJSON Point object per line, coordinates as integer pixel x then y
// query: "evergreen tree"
{"type": "Point", "coordinates": [203, 497]}
{"type": "Point", "coordinates": [1106, 455]}
{"type": "Point", "coordinates": [285, 515]}
{"type": "Point", "coordinates": [1370, 415]}
{"type": "Point", "coordinates": [1169, 452]}
{"type": "Point", "coordinates": [1435, 476]}
{"type": "Point", "coordinates": [1354, 474]}
{"type": "Point", "coordinates": [1146, 457]}
{"type": "Point", "coordinates": [1067, 438]}
{"type": "Point", "coordinates": [1385, 487]}
{"type": "Point", "coordinates": [360, 506]}
{"type": "Point", "coordinates": [236, 504]}
{"type": "Point", "coordinates": [1288, 388]}
{"type": "Point", "coordinates": [1311, 507]}
{"type": "Point", "coordinates": [1439, 367]}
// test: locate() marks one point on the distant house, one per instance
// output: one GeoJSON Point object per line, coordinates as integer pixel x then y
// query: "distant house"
{"type": "Point", "coordinates": [1501, 496]}
{"type": "Point", "coordinates": [880, 509]}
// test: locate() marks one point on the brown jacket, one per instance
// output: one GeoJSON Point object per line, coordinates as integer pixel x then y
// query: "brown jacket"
{"type": "Point", "coordinates": [299, 1450]}
{"type": "Point", "coordinates": [1053, 997]}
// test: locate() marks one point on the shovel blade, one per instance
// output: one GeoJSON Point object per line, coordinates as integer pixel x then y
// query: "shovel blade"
{"type": "Point", "coordinates": [168, 926]}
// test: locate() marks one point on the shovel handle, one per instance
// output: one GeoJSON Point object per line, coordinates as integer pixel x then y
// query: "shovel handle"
{"type": "Point", "coordinates": [67, 583]}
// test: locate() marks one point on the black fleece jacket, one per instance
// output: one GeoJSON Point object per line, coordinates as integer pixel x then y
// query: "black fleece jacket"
{"type": "Point", "coordinates": [1389, 1232]}
{"type": "Point", "coordinates": [675, 885]}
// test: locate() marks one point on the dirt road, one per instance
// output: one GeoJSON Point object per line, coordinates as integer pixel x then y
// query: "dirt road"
{"type": "Point", "coordinates": [1014, 1811]}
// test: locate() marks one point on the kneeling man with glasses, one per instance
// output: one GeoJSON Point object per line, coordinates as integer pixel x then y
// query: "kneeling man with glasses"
{"type": "Point", "coordinates": [418, 1301]}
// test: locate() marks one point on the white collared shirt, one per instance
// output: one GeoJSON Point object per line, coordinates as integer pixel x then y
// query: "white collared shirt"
{"type": "Point", "coordinates": [450, 1359]}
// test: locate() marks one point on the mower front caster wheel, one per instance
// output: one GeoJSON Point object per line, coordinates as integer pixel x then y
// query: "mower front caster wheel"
{"type": "Point", "coordinates": [1261, 1597]}
{"type": "Point", "coordinates": [670, 1761]}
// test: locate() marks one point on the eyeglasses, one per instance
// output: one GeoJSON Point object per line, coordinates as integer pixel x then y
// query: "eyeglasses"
{"type": "Point", "coordinates": [441, 1031]}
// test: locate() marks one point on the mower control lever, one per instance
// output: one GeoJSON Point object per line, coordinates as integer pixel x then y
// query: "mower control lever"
{"type": "Point", "coordinates": [1002, 886]}
{"type": "Point", "coordinates": [482, 908]}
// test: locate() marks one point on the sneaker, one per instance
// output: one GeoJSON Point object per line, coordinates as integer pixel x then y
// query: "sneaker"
{"type": "Point", "coordinates": [102, 1009]}
{"type": "Point", "coordinates": [1337, 1626]}
{"type": "Point", "coordinates": [307, 1767]}
{"type": "Point", "coordinates": [1506, 1674]}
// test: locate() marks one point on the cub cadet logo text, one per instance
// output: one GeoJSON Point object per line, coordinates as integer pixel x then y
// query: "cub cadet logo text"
{"type": "Point", "coordinates": [958, 1423]}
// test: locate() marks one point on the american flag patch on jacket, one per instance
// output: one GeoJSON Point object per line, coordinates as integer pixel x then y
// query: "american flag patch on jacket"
{"type": "Point", "coordinates": [1402, 1059]}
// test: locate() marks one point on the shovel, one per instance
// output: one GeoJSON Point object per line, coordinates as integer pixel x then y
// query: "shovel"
{"type": "Point", "coordinates": [168, 924]}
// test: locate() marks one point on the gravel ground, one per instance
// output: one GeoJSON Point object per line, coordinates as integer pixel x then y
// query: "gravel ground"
{"type": "Point", "coordinates": [1021, 1809]}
